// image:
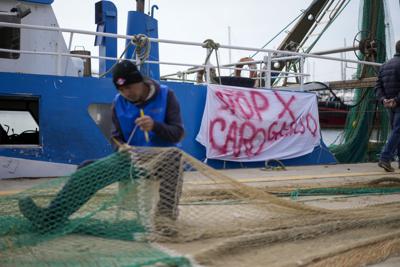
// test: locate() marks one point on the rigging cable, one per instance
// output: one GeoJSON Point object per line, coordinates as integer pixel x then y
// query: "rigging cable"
{"type": "Point", "coordinates": [319, 36]}
{"type": "Point", "coordinates": [211, 46]}
{"type": "Point", "coordinates": [142, 49]}
{"type": "Point", "coordinates": [276, 35]}
{"type": "Point", "coordinates": [338, 98]}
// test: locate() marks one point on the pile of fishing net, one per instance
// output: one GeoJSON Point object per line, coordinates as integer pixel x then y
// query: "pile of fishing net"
{"type": "Point", "coordinates": [124, 210]}
{"type": "Point", "coordinates": [367, 123]}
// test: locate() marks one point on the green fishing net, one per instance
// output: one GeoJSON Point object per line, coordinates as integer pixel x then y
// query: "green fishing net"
{"type": "Point", "coordinates": [367, 124]}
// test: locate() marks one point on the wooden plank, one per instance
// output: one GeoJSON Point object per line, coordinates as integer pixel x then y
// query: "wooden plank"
{"type": "Point", "coordinates": [351, 84]}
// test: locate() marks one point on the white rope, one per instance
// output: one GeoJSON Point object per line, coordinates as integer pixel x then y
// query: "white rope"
{"type": "Point", "coordinates": [142, 48]}
{"type": "Point", "coordinates": [142, 51]}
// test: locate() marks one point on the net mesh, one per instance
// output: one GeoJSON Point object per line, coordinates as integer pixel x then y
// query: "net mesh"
{"type": "Point", "coordinates": [119, 209]}
{"type": "Point", "coordinates": [367, 124]}
{"type": "Point", "coordinates": [123, 210]}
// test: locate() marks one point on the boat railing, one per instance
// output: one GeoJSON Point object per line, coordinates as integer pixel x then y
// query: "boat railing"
{"type": "Point", "coordinates": [265, 67]}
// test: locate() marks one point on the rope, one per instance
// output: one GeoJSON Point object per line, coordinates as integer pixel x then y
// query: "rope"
{"type": "Point", "coordinates": [219, 71]}
{"type": "Point", "coordinates": [276, 35]}
{"type": "Point", "coordinates": [142, 51]}
{"type": "Point", "coordinates": [280, 166]}
{"type": "Point", "coordinates": [327, 26]}
{"type": "Point", "coordinates": [210, 45]}
{"type": "Point", "coordinates": [339, 191]}
{"type": "Point", "coordinates": [142, 47]}
{"type": "Point", "coordinates": [385, 180]}
{"type": "Point", "coordinates": [119, 59]}
{"type": "Point", "coordinates": [317, 39]}
{"type": "Point", "coordinates": [339, 99]}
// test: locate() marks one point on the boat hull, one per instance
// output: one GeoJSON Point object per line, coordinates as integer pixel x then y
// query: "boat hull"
{"type": "Point", "coordinates": [70, 133]}
{"type": "Point", "coordinates": [332, 114]}
{"type": "Point", "coordinates": [17, 168]}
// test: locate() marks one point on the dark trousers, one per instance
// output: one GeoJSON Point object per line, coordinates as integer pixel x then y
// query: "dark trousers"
{"type": "Point", "coordinates": [393, 143]}
{"type": "Point", "coordinates": [170, 183]}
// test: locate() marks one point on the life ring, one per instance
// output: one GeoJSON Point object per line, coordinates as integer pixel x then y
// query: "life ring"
{"type": "Point", "coordinates": [252, 67]}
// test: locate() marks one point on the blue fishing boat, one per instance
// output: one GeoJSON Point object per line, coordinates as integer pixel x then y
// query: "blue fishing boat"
{"type": "Point", "coordinates": [54, 114]}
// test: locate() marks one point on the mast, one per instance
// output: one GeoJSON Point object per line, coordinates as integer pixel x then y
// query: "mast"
{"type": "Point", "coordinates": [140, 6]}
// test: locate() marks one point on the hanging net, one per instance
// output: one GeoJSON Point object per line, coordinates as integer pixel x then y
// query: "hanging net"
{"type": "Point", "coordinates": [367, 123]}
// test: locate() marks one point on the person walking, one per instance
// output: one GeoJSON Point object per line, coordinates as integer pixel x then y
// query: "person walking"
{"type": "Point", "coordinates": [387, 91]}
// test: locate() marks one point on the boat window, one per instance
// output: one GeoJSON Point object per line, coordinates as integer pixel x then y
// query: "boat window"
{"type": "Point", "coordinates": [101, 114]}
{"type": "Point", "coordinates": [10, 37]}
{"type": "Point", "coordinates": [19, 121]}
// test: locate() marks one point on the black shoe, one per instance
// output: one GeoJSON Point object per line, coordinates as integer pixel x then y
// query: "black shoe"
{"type": "Point", "coordinates": [166, 231]}
{"type": "Point", "coordinates": [165, 226]}
{"type": "Point", "coordinates": [386, 165]}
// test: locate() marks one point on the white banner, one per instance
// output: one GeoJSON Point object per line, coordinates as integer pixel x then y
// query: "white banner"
{"type": "Point", "coordinates": [241, 124]}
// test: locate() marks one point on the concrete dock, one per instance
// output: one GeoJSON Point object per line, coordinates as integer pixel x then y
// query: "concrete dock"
{"type": "Point", "coordinates": [278, 180]}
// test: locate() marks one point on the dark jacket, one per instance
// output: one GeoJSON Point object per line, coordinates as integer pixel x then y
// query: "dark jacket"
{"type": "Point", "coordinates": [171, 130]}
{"type": "Point", "coordinates": [388, 83]}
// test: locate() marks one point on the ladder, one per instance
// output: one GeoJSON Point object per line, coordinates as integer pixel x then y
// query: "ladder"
{"type": "Point", "coordinates": [322, 21]}
{"type": "Point", "coordinates": [309, 29]}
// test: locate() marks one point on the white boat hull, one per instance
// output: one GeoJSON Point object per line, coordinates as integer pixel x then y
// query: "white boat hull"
{"type": "Point", "coordinates": [18, 168]}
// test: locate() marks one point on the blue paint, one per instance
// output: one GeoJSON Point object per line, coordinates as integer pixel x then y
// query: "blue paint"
{"type": "Point", "coordinates": [69, 135]}
{"type": "Point", "coordinates": [140, 23]}
{"type": "Point", "coordinates": [47, 2]}
{"type": "Point", "coordinates": [192, 98]}
{"type": "Point", "coordinates": [67, 132]}
{"type": "Point", "coordinates": [106, 18]}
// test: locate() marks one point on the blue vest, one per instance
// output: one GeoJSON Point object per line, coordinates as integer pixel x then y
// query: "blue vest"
{"type": "Point", "coordinates": [127, 113]}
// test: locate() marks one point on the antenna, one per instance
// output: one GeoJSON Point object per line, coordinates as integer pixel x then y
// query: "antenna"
{"type": "Point", "coordinates": [140, 5]}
